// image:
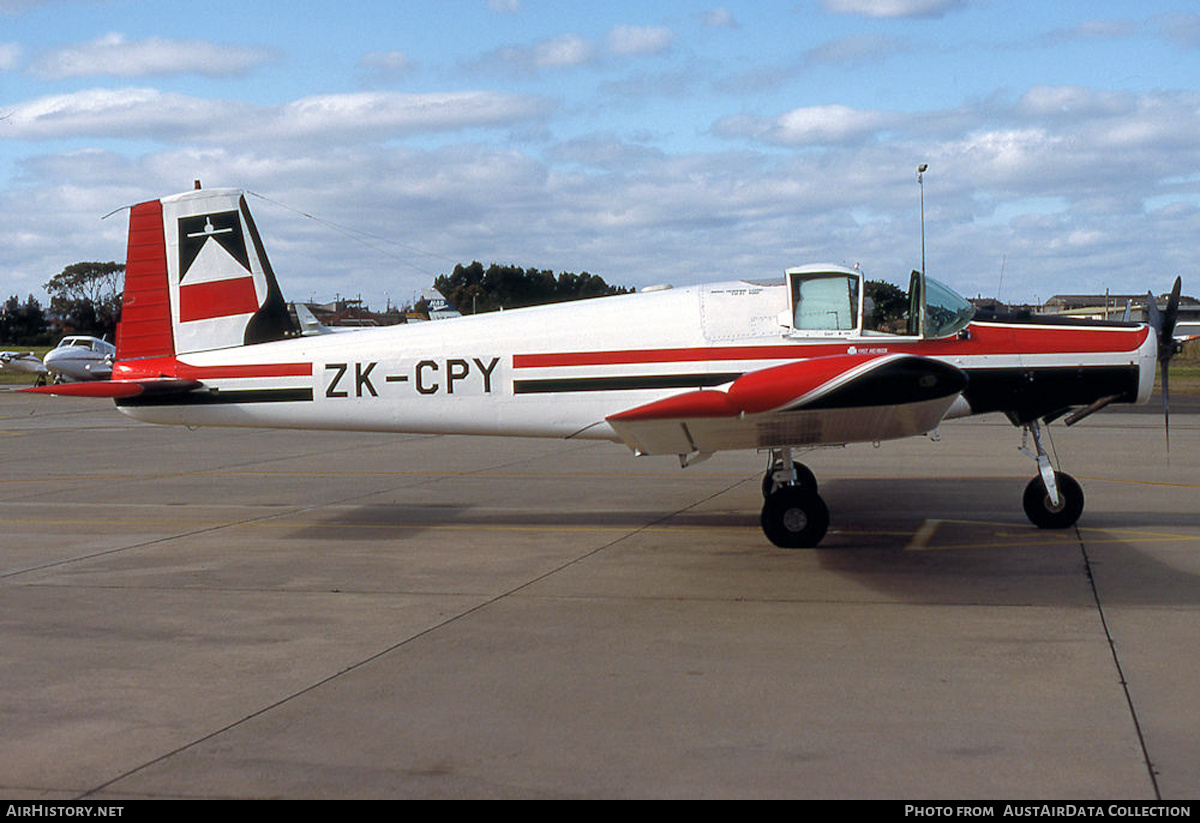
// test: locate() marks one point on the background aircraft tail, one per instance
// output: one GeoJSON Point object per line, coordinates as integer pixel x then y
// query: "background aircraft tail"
{"type": "Point", "coordinates": [197, 278]}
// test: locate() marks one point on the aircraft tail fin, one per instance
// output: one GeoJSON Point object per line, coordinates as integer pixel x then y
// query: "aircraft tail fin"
{"type": "Point", "coordinates": [197, 278]}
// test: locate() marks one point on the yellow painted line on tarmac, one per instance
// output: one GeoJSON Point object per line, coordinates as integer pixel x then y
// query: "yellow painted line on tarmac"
{"type": "Point", "coordinates": [1141, 482]}
{"type": "Point", "coordinates": [1162, 538]}
{"type": "Point", "coordinates": [280, 523]}
{"type": "Point", "coordinates": [922, 536]}
{"type": "Point", "coordinates": [480, 473]}
{"type": "Point", "coordinates": [1004, 535]}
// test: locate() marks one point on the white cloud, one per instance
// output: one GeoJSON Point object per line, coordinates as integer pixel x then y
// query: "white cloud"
{"type": "Point", "coordinates": [720, 18]}
{"type": "Point", "coordinates": [573, 50]}
{"type": "Point", "coordinates": [565, 51]}
{"type": "Point", "coordinates": [129, 112]}
{"type": "Point", "coordinates": [17, 6]}
{"type": "Point", "coordinates": [143, 113]}
{"type": "Point", "coordinates": [1180, 28]}
{"type": "Point", "coordinates": [1104, 29]}
{"type": "Point", "coordinates": [843, 189]}
{"type": "Point", "coordinates": [114, 55]}
{"type": "Point", "coordinates": [391, 114]}
{"type": "Point", "coordinates": [808, 126]}
{"type": "Point", "coordinates": [854, 50]}
{"type": "Point", "coordinates": [387, 64]}
{"type": "Point", "coordinates": [624, 40]}
{"type": "Point", "coordinates": [892, 8]}
{"type": "Point", "coordinates": [10, 56]}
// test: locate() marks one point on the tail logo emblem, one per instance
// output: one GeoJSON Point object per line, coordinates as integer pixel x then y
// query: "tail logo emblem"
{"type": "Point", "coordinates": [223, 228]}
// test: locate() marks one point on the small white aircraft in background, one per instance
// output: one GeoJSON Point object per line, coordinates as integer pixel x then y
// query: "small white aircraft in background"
{"type": "Point", "coordinates": [79, 358]}
{"type": "Point", "coordinates": [22, 363]}
{"type": "Point", "coordinates": [775, 365]}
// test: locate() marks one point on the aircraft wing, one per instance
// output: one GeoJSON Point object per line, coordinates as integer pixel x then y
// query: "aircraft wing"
{"type": "Point", "coordinates": [26, 362]}
{"type": "Point", "coordinates": [822, 400]}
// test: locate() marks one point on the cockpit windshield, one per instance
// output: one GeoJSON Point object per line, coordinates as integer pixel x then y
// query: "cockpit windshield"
{"type": "Point", "coordinates": [835, 301]}
{"type": "Point", "coordinates": [946, 312]}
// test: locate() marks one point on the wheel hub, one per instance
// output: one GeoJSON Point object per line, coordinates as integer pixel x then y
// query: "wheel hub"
{"type": "Point", "coordinates": [795, 520]}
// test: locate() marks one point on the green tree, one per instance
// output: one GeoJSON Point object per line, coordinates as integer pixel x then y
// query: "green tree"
{"type": "Point", "coordinates": [87, 296]}
{"type": "Point", "coordinates": [891, 305]}
{"type": "Point", "coordinates": [473, 288]}
{"type": "Point", "coordinates": [23, 323]}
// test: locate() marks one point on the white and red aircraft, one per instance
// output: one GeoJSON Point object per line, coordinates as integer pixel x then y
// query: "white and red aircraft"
{"type": "Point", "coordinates": [205, 340]}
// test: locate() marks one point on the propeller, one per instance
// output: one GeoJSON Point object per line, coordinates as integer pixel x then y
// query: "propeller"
{"type": "Point", "coordinates": [1163, 324]}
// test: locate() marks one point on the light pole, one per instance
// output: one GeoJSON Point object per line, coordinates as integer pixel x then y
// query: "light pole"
{"type": "Point", "coordinates": [921, 182]}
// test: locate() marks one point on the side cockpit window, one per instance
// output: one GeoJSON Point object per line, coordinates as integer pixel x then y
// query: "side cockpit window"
{"type": "Point", "coordinates": [825, 302]}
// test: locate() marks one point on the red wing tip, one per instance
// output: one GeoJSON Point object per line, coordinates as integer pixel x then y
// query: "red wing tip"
{"type": "Point", "coordinates": [100, 388]}
{"type": "Point", "coordinates": [116, 389]}
{"type": "Point", "coordinates": [701, 403]}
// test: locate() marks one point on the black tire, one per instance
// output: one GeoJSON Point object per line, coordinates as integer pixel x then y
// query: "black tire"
{"type": "Point", "coordinates": [805, 479]}
{"type": "Point", "coordinates": [1045, 516]}
{"type": "Point", "coordinates": [794, 517]}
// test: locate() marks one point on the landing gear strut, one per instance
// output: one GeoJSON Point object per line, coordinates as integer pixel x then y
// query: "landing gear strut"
{"type": "Point", "coordinates": [793, 515]}
{"type": "Point", "coordinates": [1053, 500]}
{"type": "Point", "coordinates": [777, 474]}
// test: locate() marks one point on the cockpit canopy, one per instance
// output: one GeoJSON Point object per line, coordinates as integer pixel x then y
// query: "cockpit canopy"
{"type": "Point", "coordinates": [831, 301]}
{"type": "Point", "coordinates": [80, 342]}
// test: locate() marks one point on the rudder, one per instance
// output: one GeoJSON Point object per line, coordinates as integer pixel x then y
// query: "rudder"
{"type": "Point", "coordinates": [197, 278]}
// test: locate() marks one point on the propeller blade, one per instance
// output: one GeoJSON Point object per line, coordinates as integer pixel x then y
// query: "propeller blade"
{"type": "Point", "coordinates": [1163, 323]}
{"type": "Point", "coordinates": [1167, 333]}
{"type": "Point", "coordinates": [1153, 315]}
{"type": "Point", "coordinates": [1166, 387]}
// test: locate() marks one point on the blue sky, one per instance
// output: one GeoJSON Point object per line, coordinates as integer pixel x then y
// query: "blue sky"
{"type": "Point", "coordinates": [646, 142]}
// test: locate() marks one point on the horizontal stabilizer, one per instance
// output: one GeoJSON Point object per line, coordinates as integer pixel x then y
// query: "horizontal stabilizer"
{"type": "Point", "coordinates": [119, 388]}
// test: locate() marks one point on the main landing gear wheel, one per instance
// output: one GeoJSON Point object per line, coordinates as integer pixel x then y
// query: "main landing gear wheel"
{"type": "Point", "coordinates": [795, 517]}
{"type": "Point", "coordinates": [804, 478]}
{"type": "Point", "coordinates": [1043, 513]}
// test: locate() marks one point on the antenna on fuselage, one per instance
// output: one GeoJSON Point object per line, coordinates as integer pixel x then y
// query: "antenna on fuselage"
{"type": "Point", "coordinates": [921, 169]}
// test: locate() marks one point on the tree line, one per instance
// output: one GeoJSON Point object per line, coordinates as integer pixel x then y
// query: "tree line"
{"type": "Point", "coordinates": [85, 298]}
{"type": "Point", "coordinates": [473, 289]}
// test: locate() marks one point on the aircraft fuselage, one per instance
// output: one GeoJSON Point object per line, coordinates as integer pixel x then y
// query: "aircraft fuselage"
{"type": "Point", "coordinates": [559, 371]}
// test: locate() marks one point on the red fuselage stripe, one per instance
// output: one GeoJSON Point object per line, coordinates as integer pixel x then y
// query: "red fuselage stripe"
{"type": "Point", "coordinates": [984, 340]}
{"type": "Point", "coordinates": [170, 367]}
{"type": "Point", "coordinates": [257, 370]}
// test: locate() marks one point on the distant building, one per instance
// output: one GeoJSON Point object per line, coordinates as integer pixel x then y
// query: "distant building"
{"type": "Point", "coordinates": [352, 314]}
{"type": "Point", "coordinates": [1112, 306]}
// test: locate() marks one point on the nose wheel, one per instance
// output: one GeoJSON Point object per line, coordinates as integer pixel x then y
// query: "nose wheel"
{"type": "Point", "coordinates": [1046, 513]}
{"type": "Point", "coordinates": [1053, 499]}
